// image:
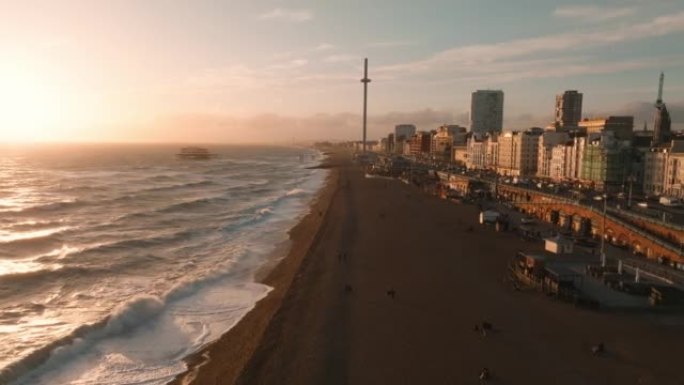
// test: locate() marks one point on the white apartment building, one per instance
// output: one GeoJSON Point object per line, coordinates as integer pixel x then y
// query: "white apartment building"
{"type": "Point", "coordinates": [547, 141]}
{"type": "Point", "coordinates": [518, 153]}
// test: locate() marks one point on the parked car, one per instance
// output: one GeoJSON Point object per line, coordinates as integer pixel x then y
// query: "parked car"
{"type": "Point", "coordinates": [527, 220]}
{"type": "Point", "coordinates": [669, 201]}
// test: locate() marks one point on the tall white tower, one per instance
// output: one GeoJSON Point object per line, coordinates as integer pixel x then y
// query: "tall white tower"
{"type": "Point", "coordinates": [365, 82]}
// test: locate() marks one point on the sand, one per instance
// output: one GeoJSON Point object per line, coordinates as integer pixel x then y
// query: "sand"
{"type": "Point", "coordinates": [330, 320]}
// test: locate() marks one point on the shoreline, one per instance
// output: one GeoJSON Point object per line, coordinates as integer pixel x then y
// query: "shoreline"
{"type": "Point", "coordinates": [240, 342]}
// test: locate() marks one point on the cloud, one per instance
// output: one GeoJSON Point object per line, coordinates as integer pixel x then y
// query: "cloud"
{"type": "Point", "coordinates": [530, 57]}
{"type": "Point", "coordinates": [294, 63]}
{"type": "Point", "coordinates": [324, 47]}
{"type": "Point", "coordinates": [275, 128]}
{"type": "Point", "coordinates": [392, 43]}
{"type": "Point", "coordinates": [289, 15]}
{"type": "Point", "coordinates": [341, 58]}
{"type": "Point", "coordinates": [592, 13]}
{"type": "Point", "coordinates": [644, 112]}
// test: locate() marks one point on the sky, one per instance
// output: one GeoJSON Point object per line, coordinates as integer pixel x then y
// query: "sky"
{"type": "Point", "coordinates": [278, 71]}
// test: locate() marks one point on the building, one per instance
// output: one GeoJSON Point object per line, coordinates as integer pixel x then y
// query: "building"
{"type": "Point", "coordinates": [441, 144]}
{"type": "Point", "coordinates": [547, 141]}
{"type": "Point", "coordinates": [491, 151]}
{"type": "Point", "coordinates": [404, 130]}
{"type": "Point", "coordinates": [662, 130]}
{"type": "Point", "coordinates": [568, 109]}
{"type": "Point", "coordinates": [673, 185]}
{"type": "Point", "coordinates": [518, 153]}
{"type": "Point", "coordinates": [663, 174]}
{"type": "Point", "coordinates": [621, 126]}
{"type": "Point", "coordinates": [476, 152]}
{"type": "Point", "coordinates": [399, 143]}
{"type": "Point", "coordinates": [605, 162]}
{"type": "Point", "coordinates": [460, 155]}
{"type": "Point", "coordinates": [390, 143]}
{"type": "Point", "coordinates": [486, 111]}
{"type": "Point", "coordinates": [420, 144]}
{"type": "Point", "coordinates": [561, 162]}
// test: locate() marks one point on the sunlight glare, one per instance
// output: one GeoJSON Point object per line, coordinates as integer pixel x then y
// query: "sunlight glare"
{"type": "Point", "coordinates": [29, 107]}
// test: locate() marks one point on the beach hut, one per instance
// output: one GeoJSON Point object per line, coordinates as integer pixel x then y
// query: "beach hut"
{"type": "Point", "coordinates": [561, 281]}
{"type": "Point", "coordinates": [558, 245]}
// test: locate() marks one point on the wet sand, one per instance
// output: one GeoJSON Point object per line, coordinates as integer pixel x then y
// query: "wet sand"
{"type": "Point", "coordinates": [330, 319]}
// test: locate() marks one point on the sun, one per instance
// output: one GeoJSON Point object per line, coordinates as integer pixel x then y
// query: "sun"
{"type": "Point", "coordinates": [29, 105]}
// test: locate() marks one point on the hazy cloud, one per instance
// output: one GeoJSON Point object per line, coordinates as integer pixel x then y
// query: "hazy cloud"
{"type": "Point", "coordinates": [592, 13]}
{"type": "Point", "coordinates": [290, 15]}
{"type": "Point", "coordinates": [392, 43]}
{"type": "Point", "coordinates": [525, 57]}
{"type": "Point", "coordinates": [275, 128]}
{"type": "Point", "coordinates": [341, 58]}
{"type": "Point", "coordinates": [644, 112]}
{"type": "Point", "coordinates": [324, 47]}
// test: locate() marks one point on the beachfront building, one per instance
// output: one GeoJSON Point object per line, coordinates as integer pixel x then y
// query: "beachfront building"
{"type": "Point", "coordinates": [441, 143]}
{"type": "Point", "coordinates": [578, 143]}
{"type": "Point", "coordinates": [460, 155]}
{"type": "Point", "coordinates": [568, 110]}
{"type": "Point", "coordinates": [491, 151]}
{"type": "Point", "coordinates": [390, 144]}
{"type": "Point", "coordinates": [547, 141]}
{"type": "Point", "coordinates": [420, 144]}
{"type": "Point", "coordinates": [663, 174]}
{"type": "Point", "coordinates": [486, 111]}
{"type": "Point", "coordinates": [605, 162]}
{"type": "Point", "coordinates": [476, 152]}
{"type": "Point", "coordinates": [518, 153]}
{"type": "Point", "coordinates": [621, 126]}
{"type": "Point", "coordinates": [673, 185]}
{"type": "Point", "coordinates": [404, 131]}
{"type": "Point", "coordinates": [561, 162]}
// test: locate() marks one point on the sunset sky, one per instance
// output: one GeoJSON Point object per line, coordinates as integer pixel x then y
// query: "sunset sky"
{"type": "Point", "coordinates": [276, 71]}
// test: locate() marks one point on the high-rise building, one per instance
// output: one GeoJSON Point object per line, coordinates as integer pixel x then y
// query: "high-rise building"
{"type": "Point", "coordinates": [662, 126]}
{"type": "Point", "coordinates": [405, 131]}
{"type": "Point", "coordinates": [568, 109]}
{"type": "Point", "coordinates": [486, 111]}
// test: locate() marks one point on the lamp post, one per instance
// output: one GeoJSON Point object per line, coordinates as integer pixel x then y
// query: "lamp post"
{"type": "Point", "coordinates": [629, 195]}
{"type": "Point", "coordinates": [603, 232]}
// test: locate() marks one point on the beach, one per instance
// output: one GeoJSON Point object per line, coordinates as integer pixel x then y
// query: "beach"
{"type": "Point", "coordinates": [384, 284]}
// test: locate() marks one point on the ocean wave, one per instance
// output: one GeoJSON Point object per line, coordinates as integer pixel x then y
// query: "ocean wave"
{"type": "Point", "coordinates": [178, 186]}
{"type": "Point", "coordinates": [194, 204]}
{"type": "Point", "coordinates": [47, 207]}
{"type": "Point", "coordinates": [265, 211]}
{"type": "Point", "coordinates": [296, 191]}
{"type": "Point", "coordinates": [124, 319]}
{"type": "Point", "coordinates": [30, 273]}
{"type": "Point", "coordinates": [9, 237]}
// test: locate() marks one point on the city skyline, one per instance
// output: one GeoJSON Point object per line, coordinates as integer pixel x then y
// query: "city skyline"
{"type": "Point", "coordinates": [279, 71]}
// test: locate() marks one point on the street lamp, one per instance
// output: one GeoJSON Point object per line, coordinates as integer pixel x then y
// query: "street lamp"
{"type": "Point", "coordinates": [603, 232]}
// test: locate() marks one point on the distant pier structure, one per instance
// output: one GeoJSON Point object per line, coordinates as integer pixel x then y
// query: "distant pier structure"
{"type": "Point", "coordinates": [365, 82]}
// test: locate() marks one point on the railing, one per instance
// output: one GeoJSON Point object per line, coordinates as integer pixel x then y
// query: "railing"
{"type": "Point", "coordinates": [556, 199]}
{"type": "Point", "coordinates": [669, 225]}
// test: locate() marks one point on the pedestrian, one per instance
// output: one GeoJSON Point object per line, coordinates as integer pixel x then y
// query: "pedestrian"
{"type": "Point", "coordinates": [484, 375]}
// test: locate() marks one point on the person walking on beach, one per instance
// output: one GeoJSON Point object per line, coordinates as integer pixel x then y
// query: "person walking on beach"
{"type": "Point", "coordinates": [484, 376]}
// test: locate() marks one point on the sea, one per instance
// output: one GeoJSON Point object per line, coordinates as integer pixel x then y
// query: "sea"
{"type": "Point", "coordinates": [117, 261]}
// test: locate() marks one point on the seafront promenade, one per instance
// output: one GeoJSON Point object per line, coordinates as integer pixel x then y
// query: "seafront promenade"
{"type": "Point", "coordinates": [388, 291]}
